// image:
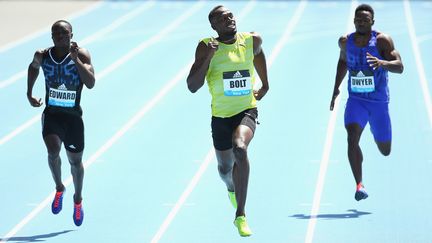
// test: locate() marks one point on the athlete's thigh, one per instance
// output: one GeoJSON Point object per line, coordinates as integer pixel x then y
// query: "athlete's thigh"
{"type": "Point", "coordinates": [74, 137]}
{"type": "Point", "coordinates": [356, 113]}
{"type": "Point", "coordinates": [380, 123]}
{"type": "Point", "coordinates": [222, 133]}
{"type": "Point", "coordinates": [53, 132]}
{"type": "Point", "coordinates": [52, 124]}
{"type": "Point", "coordinates": [245, 126]}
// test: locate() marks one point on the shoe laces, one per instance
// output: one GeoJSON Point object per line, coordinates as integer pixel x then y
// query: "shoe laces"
{"type": "Point", "coordinates": [78, 211]}
{"type": "Point", "coordinates": [57, 197]}
{"type": "Point", "coordinates": [241, 221]}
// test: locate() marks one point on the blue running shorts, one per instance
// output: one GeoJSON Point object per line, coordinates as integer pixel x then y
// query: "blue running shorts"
{"type": "Point", "coordinates": [376, 113]}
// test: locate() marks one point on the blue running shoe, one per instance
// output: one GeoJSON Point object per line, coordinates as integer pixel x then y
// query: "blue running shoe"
{"type": "Point", "coordinates": [78, 215]}
{"type": "Point", "coordinates": [360, 194]}
{"type": "Point", "coordinates": [57, 203]}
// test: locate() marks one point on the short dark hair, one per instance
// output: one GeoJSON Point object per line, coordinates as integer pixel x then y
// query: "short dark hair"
{"type": "Point", "coordinates": [62, 21]}
{"type": "Point", "coordinates": [365, 7]}
{"type": "Point", "coordinates": [212, 12]}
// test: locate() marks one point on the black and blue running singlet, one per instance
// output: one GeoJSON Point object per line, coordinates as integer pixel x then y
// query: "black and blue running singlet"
{"type": "Point", "coordinates": [62, 83]}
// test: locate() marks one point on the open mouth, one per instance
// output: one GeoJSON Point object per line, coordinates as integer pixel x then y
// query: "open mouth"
{"type": "Point", "coordinates": [232, 26]}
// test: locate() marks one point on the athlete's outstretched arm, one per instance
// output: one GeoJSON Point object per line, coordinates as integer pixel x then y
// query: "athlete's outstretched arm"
{"type": "Point", "coordinates": [392, 61]}
{"type": "Point", "coordinates": [260, 65]}
{"type": "Point", "coordinates": [341, 70]}
{"type": "Point", "coordinates": [203, 56]}
{"type": "Point", "coordinates": [82, 60]}
{"type": "Point", "coordinates": [32, 74]}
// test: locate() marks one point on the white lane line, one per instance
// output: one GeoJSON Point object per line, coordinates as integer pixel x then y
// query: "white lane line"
{"type": "Point", "coordinates": [135, 119]}
{"type": "Point", "coordinates": [118, 22]}
{"type": "Point", "coordinates": [326, 154]}
{"type": "Point", "coordinates": [45, 29]}
{"type": "Point", "coordinates": [210, 155]}
{"type": "Point", "coordinates": [424, 38]}
{"type": "Point", "coordinates": [288, 32]}
{"type": "Point", "coordinates": [137, 50]}
{"type": "Point", "coordinates": [180, 202]}
{"type": "Point", "coordinates": [155, 39]}
{"type": "Point", "coordinates": [19, 129]}
{"type": "Point", "coordinates": [111, 27]}
{"type": "Point", "coordinates": [418, 59]}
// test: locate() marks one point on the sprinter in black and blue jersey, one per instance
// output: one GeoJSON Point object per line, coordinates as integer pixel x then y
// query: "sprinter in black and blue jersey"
{"type": "Point", "coordinates": [66, 68]}
{"type": "Point", "coordinates": [368, 56]}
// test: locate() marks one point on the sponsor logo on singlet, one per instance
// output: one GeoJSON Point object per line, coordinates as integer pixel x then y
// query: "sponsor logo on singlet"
{"type": "Point", "coordinates": [362, 81]}
{"type": "Point", "coordinates": [61, 97]}
{"type": "Point", "coordinates": [237, 83]}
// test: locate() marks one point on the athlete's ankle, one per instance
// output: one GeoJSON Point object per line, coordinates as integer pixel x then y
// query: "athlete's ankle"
{"type": "Point", "coordinates": [60, 188]}
{"type": "Point", "coordinates": [77, 200]}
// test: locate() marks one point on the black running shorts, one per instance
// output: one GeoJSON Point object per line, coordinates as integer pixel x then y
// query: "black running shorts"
{"type": "Point", "coordinates": [223, 128]}
{"type": "Point", "coordinates": [69, 128]}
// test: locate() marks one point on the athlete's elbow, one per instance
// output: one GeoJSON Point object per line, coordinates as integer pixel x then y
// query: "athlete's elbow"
{"type": "Point", "coordinates": [401, 68]}
{"type": "Point", "coordinates": [193, 85]}
{"type": "Point", "coordinates": [192, 88]}
{"type": "Point", "coordinates": [90, 84]}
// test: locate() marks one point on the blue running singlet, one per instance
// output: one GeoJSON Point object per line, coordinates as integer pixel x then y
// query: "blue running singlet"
{"type": "Point", "coordinates": [363, 82]}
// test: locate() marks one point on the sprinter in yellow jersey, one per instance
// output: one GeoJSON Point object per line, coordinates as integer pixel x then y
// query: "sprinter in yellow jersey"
{"type": "Point", "coordinates": [228, 62]}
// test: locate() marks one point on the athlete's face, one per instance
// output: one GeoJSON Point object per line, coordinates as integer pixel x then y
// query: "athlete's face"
{"type": "Point", "coordinates": [363, 22]}
{"type": "Point", "coordinates": [61, 34]}
{"type": "Point", "coordinates": [224, 22]}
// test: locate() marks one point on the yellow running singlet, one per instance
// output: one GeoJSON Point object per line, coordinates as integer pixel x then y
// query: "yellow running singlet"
{"type": "Point", "coordinates": [231, 78]}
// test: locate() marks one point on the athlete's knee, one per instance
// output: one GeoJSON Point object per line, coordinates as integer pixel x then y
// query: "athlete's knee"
{"type": "Point", "coordinates": [385, 151]}
{"type": "Point", "coordinates": [240, 151]}
{"type": "Point", "coordinates": [353, 140]}
{"type": "Point", "coordinates": [53, 157]}
{"type": "Point", "coordinates": [77, 163]}
{"type": "Point", "coordinates": [224, 170]}
{"type": "Point", "coordinates": [53, 153]}
{"type": "Point", "coordinates": [53, 150]}
{"type": "Point", "coordinates": [384, 148]}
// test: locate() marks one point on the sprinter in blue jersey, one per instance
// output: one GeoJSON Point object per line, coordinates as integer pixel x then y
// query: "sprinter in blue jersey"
{"type": "Point", "coordinates": [368, 56]}
{"type": "Point", "coordinates": [66, 68]}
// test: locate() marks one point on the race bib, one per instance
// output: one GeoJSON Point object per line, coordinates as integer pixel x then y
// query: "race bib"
{"type": "Point", "coordinates": [362, 81]}
{"type": "Point", "coordinates": [61, 97]}
{"type": "Point", "coordinates": [237, 83]}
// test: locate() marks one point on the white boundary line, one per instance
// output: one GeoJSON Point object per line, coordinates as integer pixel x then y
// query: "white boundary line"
{"type": "Point", "coordinates": [326, 154]}
{"type": "Point", "coordinates": [135, 119]}
{"type": "Point", "coordinates": [418, 59]}
{"type": "Point", "coordinates": [44, 30]}
{"type": "Point", "coordinates": [114, 25]}
{"type": "Point", "coordinates": [210, 155]}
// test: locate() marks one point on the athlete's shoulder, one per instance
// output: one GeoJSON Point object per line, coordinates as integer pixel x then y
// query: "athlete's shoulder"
{"type": "Point", "coordinates": [205, 40]}
{"type": "Point", "coordinates": [380, 36]}
{"type": "Point", "coordinates": [42, 52]}
{"type": "Point", "coordinates": [256, 37]}
{"type": "Point", "coordinates": [343, 40]}
{"type": "Point", "coordinates": [83, 51]}
{"type": "Point", "coordinates": [254, 34]}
